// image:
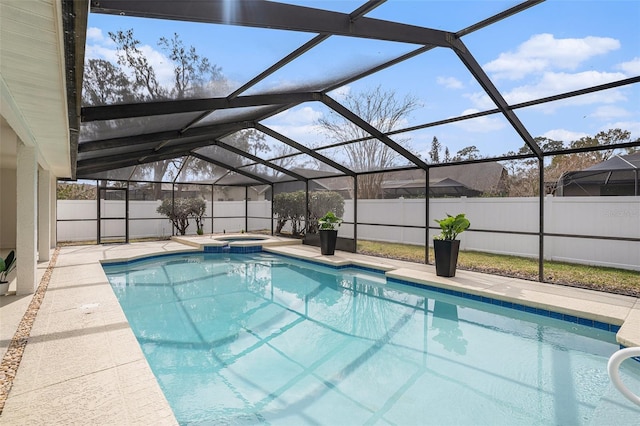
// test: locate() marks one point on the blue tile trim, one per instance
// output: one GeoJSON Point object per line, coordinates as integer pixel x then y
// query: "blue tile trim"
{"type": "Point", "coordinates": [635, 358]}
{"type": "Point", "coordinates": [233, 249]}
{"type": "Point", "coordinates": [510, 305]}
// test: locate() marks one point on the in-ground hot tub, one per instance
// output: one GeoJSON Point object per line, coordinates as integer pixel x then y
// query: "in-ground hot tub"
{"type": "Point", "coordinates": [236, 238]}
{"type": "Point", "coordinates": [234, 243]}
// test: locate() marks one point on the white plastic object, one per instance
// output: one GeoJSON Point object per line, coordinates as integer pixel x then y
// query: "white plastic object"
{"type": "Point", "coordinates": [613, 367]}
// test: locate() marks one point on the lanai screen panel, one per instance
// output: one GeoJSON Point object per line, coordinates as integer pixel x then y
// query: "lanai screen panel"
{"type": "Point", "coordinates": [471, 63]}
{"type": "Point", "coordinates": [123, 173]}
{"type": "Point", "coordinates": [200, 171]}
{"type": "Point", "coordinates": [259, 209]}
{"type": "Point", "coordinates": [596, 110]}
{"type": "Point", "coordinates": [159, 171]}
{"type": "Point", "coordinates": [137, 148]}
{"type": "Point", "coordinates": [365, 156]}
{"type": "Point", "coordinates": [99, 130]}
{"type": "Point", "coordinates": [329, 63]}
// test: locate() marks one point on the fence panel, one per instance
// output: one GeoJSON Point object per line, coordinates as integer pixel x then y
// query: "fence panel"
{"type": "Point", "coordinates": [583, 216]}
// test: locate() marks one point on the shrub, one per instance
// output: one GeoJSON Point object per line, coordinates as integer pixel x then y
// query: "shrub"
{"type": "Point", "coordinates": [181, 209]}
{"type": "Point", "coordinates": [290, 206]}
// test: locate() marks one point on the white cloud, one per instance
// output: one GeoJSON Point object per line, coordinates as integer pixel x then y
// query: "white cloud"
{"type": "Point", "coordinates": [608, 112]}
{"type": "Point", "coordinates": [298, 124]}
{"type": "Point", "coordinates": [341, 93]}
{"type": "Point", "coordinates": [304, 115]}
{"type": "Point", "coordinates": [450, 82]}
{"type": "Point", "coordinates": [480, 100]}
{"type": "Point", "coordinates": [481, 124]}
{"type": "Point", "coordinates": [101, 47]}
{"type": "Point", "coordinates": [95, 51]}
{"type": "Point", "coordinates": [631, 68]}
{"type": "Point", "coordinates": [95, 35]}
{"type": "Point", "coordinates": [553, 83]}
{"type": "Point", "coordinates": [308, 135]}
{"type": "Point", "coordinates": [544, 52]}
{"type": "Point", "coordinates": [564, 135]}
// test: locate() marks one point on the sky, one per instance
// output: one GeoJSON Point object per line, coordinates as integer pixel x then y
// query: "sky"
{"type": "Point", "coordinates": [555, 47]}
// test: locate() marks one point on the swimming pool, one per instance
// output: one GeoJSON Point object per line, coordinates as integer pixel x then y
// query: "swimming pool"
{"type": "Point", "coordinates": [262, 338]}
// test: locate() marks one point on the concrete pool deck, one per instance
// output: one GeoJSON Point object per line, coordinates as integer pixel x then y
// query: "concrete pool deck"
{"type": "Point", "coordinates": [82, 363]}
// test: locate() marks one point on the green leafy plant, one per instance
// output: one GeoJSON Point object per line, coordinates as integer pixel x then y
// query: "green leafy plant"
{"type": "Point", "coordinates": [329, 222]}
{"type": "Point", "coordinates": [290, 207]}
{"type": "Point", "coordinates": [7, 265]}
{"type": "Point", "coordinates": [181, 209]}
{"type": "Point", "coordinates": [452, 226]}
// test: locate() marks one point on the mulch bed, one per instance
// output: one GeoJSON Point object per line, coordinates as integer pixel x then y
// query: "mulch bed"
{"type": "Point", "coordinates": [13, 356]}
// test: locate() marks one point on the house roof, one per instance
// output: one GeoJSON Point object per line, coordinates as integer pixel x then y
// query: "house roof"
{"type": "Point", "coordinates": [618, 162]}
{"type": "Point", "coordinates": [481, 177]}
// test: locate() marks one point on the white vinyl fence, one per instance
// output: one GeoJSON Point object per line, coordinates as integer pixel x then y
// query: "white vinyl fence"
{"type": "Point", "coordinates": [490, 219]}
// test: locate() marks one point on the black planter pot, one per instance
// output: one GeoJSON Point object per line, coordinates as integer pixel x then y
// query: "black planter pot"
{"type": "Point", "coordinates": [328, 240]}
{"type": "Point", "coordinates": [446, 252]}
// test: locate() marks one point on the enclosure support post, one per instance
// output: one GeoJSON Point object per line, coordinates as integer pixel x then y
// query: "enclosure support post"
{"type": "Point", "coordinates": [246, 208]}
{"type": "Point", "coordinates": [98, 213]}
{"type": "Point", "coordinates": [273, 195]}
{"type": "Point", "coordinates": [355, 213]}
{"type": "Point", "coordinates": [213, 195]}
{"type": "Point", "coordinates": [126, 215]}
{"type": "Point", "coordinates": [306, 207]}
{"type": "Point", "coordinates": [426, 216]}
{"type": "Point", "coordinates": [541, 232]}
{"type": "Point", "coordinates": [173, 206]}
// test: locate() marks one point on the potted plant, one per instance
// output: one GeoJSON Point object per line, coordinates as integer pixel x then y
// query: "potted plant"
{"type": "Point", "coordinates": [328, 225]}
{"type": "Point", "coordinates": [445, 244]}
{"type": "Point", "coordinates": [6, 266]}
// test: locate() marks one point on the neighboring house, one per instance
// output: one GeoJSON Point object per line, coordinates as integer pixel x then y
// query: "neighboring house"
{"type": "Point", "coordinates": [471, 180]}
{"type": "Point", "coordinates": [618, 175]}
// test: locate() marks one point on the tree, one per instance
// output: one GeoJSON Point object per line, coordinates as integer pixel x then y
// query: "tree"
{"type": "Point", "coordinates": [290, 206]}
{"type": "Point", "coordinates": [190, 69]}
{"type": "Point", "coordinates": [384, 111]}
{"type": "Point", "coordinates": [194, 76]}
{"type": "Point", "coordinates": [75, 191]}
{"type": "Point", "coordinates": [130, 56]}
{"type": "Point", "coordinates": [105, 83]}
{"type": "Point", "coordinates": [321, 202]}
{"type": "Point", "coordinates": [523, 174]}
{"type": "Point", "coordinates": [434, 153]}
{"type": "Point", "coordinates": [467, 153]}
{"type": "Point", "coordinates": [197, 208]}
{"type": "Point", "coordinates": [181, 209]}
{"type": "Point", "coordinates": [447, 155]}
{"type": "Point", "coordinates": [583, 160]}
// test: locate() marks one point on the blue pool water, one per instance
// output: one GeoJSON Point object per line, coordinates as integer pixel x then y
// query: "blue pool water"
{"type": "Point", "coordinates": [264, 339]}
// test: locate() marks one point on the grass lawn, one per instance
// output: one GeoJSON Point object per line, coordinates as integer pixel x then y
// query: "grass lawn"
{"type": "Point", "coordinates": [620, 281]}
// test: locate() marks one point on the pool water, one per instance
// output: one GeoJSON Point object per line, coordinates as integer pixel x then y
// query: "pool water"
{"type": "Point", "coordinates": [264, 339]}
